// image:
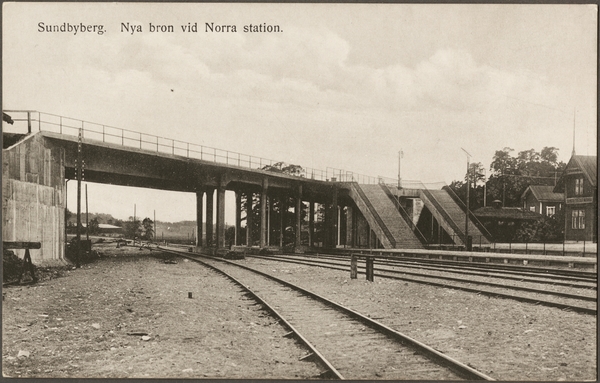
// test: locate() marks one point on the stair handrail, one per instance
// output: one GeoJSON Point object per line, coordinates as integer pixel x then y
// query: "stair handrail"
{"type": "Point", "coordinates": [475, 220]}
{"type": "Point", "coordinates": [459, 233]}
{"type": "Point", "coordinates": [374, 213]}
{"type": "Point", "coordinates": [404, 213]}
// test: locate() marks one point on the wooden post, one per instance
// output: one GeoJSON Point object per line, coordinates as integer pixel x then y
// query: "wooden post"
{"type": "Point", "coordinates": [369, 271]}
{"type": "Point", "coordinates": [353, 266]}
{"type": "Point", "coordinates": [27, 265]}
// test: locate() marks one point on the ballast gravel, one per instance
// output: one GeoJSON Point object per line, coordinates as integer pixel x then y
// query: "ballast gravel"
{"type": "Point", "coordinates": [129, 315]}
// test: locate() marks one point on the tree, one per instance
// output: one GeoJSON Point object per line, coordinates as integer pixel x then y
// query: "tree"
{"type": "Point", "coordinates": [546, 229]}
{"type": "Point", "coordinates": [132, 228]}
{"type": "Point", "coordinates": [147, 229]}
{"type": "Point", "coordinates": [282, 167]}
{"type": "Point", "coordinates": [94, 226]}
{"type": "Point", "coordinates": [512, 175]}
{"type": "Point", "coordinates": [549, 155]}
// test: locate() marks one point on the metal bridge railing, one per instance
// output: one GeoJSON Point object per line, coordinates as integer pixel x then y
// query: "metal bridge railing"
{"type": "Point", "coordinates": [31, 120]}
{"type": "Point", "coordinates": [34, 120]}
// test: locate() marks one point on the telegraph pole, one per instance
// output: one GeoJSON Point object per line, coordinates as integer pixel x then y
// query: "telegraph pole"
{"type": "Point", "coordinates": [87, 224]}
{"type": "Point", "coordinates": [79, 175]}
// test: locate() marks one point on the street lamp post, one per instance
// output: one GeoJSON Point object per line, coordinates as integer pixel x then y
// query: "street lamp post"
{"type": "Point", "coordinates": [467, 247]}
{"type": "Point", "coordinates": [400, 155]}
{"type": "Point", "coordinates": [484, 187]}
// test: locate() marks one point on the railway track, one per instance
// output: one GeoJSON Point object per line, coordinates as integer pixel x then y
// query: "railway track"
{"type": "Point", "coordinates": [347, 344]}
{"type": "Point", "coordinates": [504, 269]}
{"type": "Point", "coordinates": [544, 294]}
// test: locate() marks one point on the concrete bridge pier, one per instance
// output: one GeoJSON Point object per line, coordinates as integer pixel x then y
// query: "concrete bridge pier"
{"type": "Point", "coordinates": [298, 216]}
{"type": "Point", "coordinates": [220, 232]}
{"type": "Point", "coordinates": [263, 213]}
{"type": "Point", "coordinates": [334, 217]}
{"type": "Point", "coordinates": [350, 227]}
{"type": "Point", "coordinates": [199, 217]}
{"type": "Point", "coordinates": [210, 192]}
{"type": "Point", "coordinates": [238, 218]}
{"type": "Point", "coordinates": [311, 223]}
{"type": "Point", "coordinates": [249, 196]}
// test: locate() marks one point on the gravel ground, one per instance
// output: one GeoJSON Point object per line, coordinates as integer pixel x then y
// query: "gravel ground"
{"type": "Point", "coordinates": [505, 339]}
{"type": "Point", "coordinates": [78, 326]}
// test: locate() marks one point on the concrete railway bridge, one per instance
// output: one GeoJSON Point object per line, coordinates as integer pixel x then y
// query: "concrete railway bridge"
{"type": "Point", "coordinates": [359, 211]}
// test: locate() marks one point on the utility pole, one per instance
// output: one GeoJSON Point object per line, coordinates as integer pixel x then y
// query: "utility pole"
{"type": "Point", "coordinates": [134, 225]}
{"type": "Point", "coordinates": [87, 224]}
{"type": "Point", "coordinates": [154, 224]}
{"type": "Point", "coordinates": [484, 187]}
{"type": "Point", "coordinates": [400, 155]}
{"type": "Point", "coordinates": [79, 174]}
{"type": "Point", "coordinates": [467, 213]}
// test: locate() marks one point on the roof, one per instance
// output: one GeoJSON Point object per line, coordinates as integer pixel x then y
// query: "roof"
{"type": "Point", "coordinates": [104, 226]}
{"type": "Point", "coordinates": [543, 193]}
{"type": "Point", "coordinates": [588, 166]}
{"type": "Point", "coordinates": [506, 213]}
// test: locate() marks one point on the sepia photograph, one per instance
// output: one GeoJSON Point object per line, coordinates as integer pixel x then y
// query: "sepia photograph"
{"type": "Point", "coordinates": [288, 191]}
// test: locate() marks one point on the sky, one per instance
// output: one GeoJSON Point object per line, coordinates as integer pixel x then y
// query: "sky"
{"type": "Point", "coordinates": [345, 86]}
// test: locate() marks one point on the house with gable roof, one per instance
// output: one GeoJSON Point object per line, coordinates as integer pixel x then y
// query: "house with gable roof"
{"type": "Point", "coordinates": [543, 200]}
{"type": "Point", "coordinates": [578, 183]}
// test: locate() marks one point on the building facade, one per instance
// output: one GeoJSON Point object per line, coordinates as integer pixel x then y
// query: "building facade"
{"type": "Point", "coordinates": [578, 183]}
{"type": "Point", "coordinates": [543, 200]}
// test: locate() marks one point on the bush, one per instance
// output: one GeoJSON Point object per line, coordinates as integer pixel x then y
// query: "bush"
{"type": "Point", "coordinates": [11, 266]}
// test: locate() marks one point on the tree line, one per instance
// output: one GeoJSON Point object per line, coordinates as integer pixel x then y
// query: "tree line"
{"type": "Point", "coordinates": [509, 176]}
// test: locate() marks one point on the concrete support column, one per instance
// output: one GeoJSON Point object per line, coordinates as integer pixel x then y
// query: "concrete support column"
{"type": "Point", "coordinates": [238, 218]}
{"type": "Point", "coordinates": [263, 213]}
{"type": "Point", "coordinates": [248, 218]}
{"type": "Point", "coordinates": [269, 219]}
{"type": "Point", "coordinates": [220, 217]}
{"type": "Point", "coordinates": [334, 217]}
{"type": "Point", "coordinates": [326, 225]}
{"type": "Point", "coordinates": [282, 209]}
{"type": "Point", "coordinates": [199, 217]}
{"type": "Point", "coordinates": [209, 216]}
{"type": "Point", "coordinates": [339, 225]}
{"type": "Point", "coordinates": [311, 223]}
{"type": "Point", "coordinates": [349, 227]}
{"type": "Point", "coordinates": [298, 213]}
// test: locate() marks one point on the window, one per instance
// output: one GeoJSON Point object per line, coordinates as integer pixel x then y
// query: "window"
{"type": "Point", "coordinates": [578, 219]}
{"type": "Point", "coordinates": [532, 208]}
{"type": "Point", "coordinates": [578, 186]}
{"type": "Point", "coordinates": [550, 210]}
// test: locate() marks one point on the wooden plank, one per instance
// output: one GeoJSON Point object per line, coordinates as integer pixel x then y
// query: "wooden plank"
{"type": "Point", "coordinates": [21, 245]}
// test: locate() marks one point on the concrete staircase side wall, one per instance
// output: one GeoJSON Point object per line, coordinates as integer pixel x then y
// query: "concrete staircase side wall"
{"type": "Point", "coordinates": [389, 214]}
{"type": "Point", "coordinates": [366, 213]}
{"type": "Point", "coordinates": [33, 197]}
